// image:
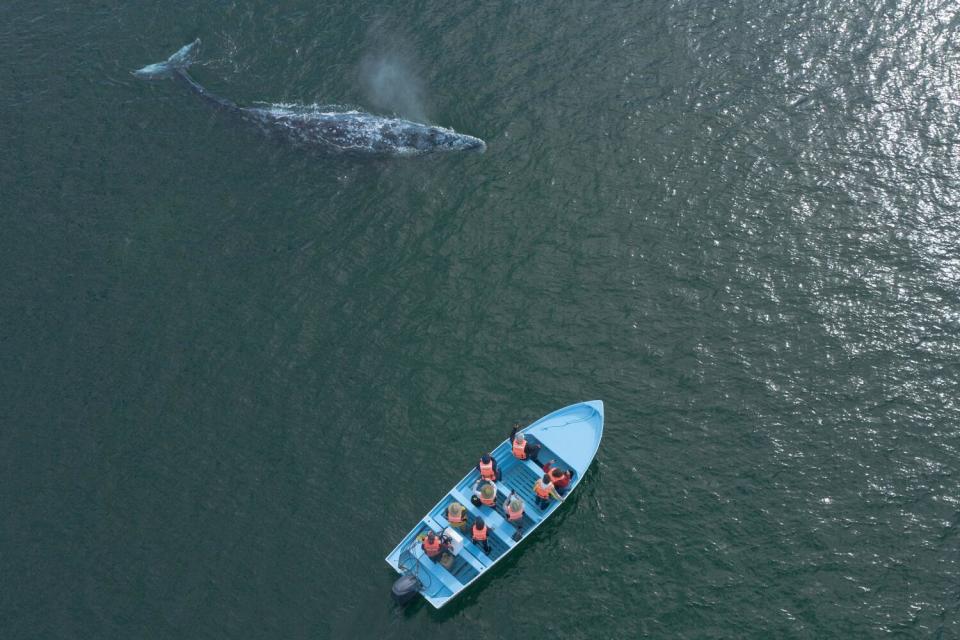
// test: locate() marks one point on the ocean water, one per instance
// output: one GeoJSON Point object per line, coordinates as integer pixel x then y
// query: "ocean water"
{"type": "Point", "coordinates": [234, 373]}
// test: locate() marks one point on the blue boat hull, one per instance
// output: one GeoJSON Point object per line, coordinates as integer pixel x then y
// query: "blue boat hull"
{"type": "Point", "coordinates": [570, 436]}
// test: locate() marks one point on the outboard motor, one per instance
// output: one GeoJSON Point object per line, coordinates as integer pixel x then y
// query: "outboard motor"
{"type": "Point", "coordinates": [404, 589]}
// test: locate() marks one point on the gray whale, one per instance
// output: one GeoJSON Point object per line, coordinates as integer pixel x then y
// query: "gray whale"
{"type": "Point", "coordinates": [342, 131]}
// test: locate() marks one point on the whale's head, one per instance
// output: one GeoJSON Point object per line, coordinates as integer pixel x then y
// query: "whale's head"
{"type": "Point", "coordinates": [367, 133]}
{"type": "Point", "coordinates": [437, 139]}
{"type": "Point", "coordinates": [452, 141]}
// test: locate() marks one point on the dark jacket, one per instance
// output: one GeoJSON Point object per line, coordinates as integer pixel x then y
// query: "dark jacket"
{"type": "Point", "coordinates": [496, 469]}
{"type": "Point", "coordinates": [528, 448]}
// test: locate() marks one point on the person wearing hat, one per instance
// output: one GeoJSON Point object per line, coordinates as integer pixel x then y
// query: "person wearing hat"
{"type": "Point", "coordinates": [484, 493]}
{"type": "Point", "coordinates": [488, 467]}
{"type": "Point", "coordinates": [522, 448]}
{"type": "Point", "coordinates": [513, 507]}
{"type": "Point", "coordinates": [456, 515]}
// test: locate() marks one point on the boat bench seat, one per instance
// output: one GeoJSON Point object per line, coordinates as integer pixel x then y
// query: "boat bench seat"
{"type": "Point", "coordinates": [521, 479]}
{"type": "Point", "coordinates": [502, 535]}
{"type": "Point", "coordinates": [532, 466]}
{"type": "Point", "coordinates": [438, 570]}
{"type": "Point", "coordinates": [489, 515]}
{"type": "Point", "coordinates": [435, 526]}
{"type": "Point", "coordinates": [530, 516]}
{"type": "Point", "coordinates": [497, 524]}
{"type": "Point", "coordinates": [474, 561]}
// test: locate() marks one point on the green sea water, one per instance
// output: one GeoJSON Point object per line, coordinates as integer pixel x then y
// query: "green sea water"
{"type": "Point", "coordinates": [234, 373]}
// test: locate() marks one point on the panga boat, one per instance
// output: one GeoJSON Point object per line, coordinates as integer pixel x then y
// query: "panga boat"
{"type": "Point", "coordinates": [570, 436]}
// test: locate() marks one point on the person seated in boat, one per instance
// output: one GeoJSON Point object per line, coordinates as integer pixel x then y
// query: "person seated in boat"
{"type": "Point", "coordinates": [544, 490]}
{"type": "Point", "coordinates": [522, 448]}
{"type": "Point", "coordinates": [433, 546]}
{"type": "Point", "coordinates": [559, 477]}
{"type": "Point", "coordinates": [484, 493]}
{"type": "Point", "coordinates": [479, 534]}
{"type": "Point", "coordinates": [456, 515]}
{"type": "Point", "coordinates": [488, 467]}
{"type": "Point", "coordinates": [513, 507]}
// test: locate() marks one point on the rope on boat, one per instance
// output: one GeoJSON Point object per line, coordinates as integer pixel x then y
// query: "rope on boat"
{"type": "Point", "coordinates": [406, 558]}
{"type": "Point", "coordinates": [556, 426]}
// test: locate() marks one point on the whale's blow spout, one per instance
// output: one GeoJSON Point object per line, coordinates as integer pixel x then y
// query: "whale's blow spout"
{"type": "Point", "coordinates": [180, 60]}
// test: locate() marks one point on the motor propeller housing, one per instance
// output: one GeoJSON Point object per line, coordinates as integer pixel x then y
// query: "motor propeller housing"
{"type": "Point", "coordinates": [405, 589]}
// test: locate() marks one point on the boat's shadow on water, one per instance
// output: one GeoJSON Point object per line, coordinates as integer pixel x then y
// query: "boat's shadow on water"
{"type": "Point", "coordinates": [583, 495]}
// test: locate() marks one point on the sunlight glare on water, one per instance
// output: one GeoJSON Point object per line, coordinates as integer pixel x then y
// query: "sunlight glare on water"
{"type": "Point", "coordinates": [238, 371]}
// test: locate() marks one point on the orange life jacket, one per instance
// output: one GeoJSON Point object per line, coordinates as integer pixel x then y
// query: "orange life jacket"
{"type": "Point", "coordinates": [431, 549]}
{"type": "Point", "coordinates": [486, 470]}
{"type": "Point", "coordinates": [479, 534]}
{"type": "Point", "coordinates": [543, 491]}
{"type": "Point", "coordinates": [492, 500]}
{"type": "Point", "coordinates": [458, 518]}
{"type": "Point", "coordinates": [519, 449]}
{"type": "Point", "coordinates": [513, 516]}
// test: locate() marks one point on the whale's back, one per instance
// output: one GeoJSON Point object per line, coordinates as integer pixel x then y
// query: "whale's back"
{"type": "Point", "coordinates": [363, 133]}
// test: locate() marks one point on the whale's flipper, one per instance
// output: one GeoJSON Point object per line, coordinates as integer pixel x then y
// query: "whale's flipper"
{"type": "Point", "coordinates": [180, 60]}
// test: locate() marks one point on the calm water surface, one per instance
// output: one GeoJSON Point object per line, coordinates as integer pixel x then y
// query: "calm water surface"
{"type": "Point", "coordinates": [235, 373]}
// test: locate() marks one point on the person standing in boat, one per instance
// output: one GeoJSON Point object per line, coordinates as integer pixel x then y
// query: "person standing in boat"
{"type": "Point", "coordinates": [523, 449]}
{"type": "Point", "coordinates": [479, 534]}
{"type": "Point", "coordinates": [488, 468]}
{"type": "Point", "coordinates": [544, 490]}
{"type": "Point", "coordinates": [484, 493]}
{"type": "Point", "coordinates": [559, 477]}
{"type": "Point", "coordinates": [433, 546]}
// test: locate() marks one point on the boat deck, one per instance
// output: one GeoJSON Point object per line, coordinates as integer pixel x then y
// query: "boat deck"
{"type": "Point", "coordinates": [441, 583]}
{"type": "Point", "coordinates": [515, 476]}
